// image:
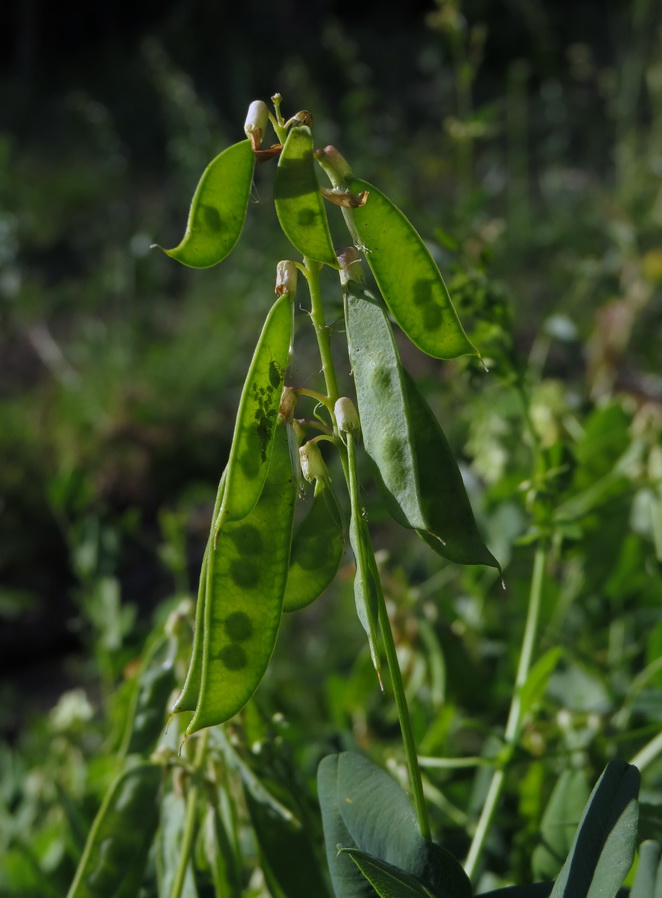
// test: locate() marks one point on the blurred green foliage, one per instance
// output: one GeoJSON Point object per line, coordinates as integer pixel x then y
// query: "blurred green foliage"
{"type": "Point", "coordinates": [542, 203]}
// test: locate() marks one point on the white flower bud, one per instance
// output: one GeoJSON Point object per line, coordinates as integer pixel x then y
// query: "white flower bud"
{"type": "Point", "coordinates": [286, 277]}
{"type": "Point", "coordinates": [256, 122]}
{"type": "Point", "coordinates": [346, 414]}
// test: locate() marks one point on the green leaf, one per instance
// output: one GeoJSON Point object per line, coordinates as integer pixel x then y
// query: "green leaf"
{"type": "Point", "coordinates": [113, 863]}
{"type": "Point", "coordinates": [363, 808]}
{"type": "Point", "coordinates": [452, 530]}
{"type": "Point", "coordinates": [299, 204]}
{"type": "Point", "coordinates": [407, 276]}
{"type": "Point", "coordinates": [168, 846]}
{"type": "Point", "coordinates": [317, 550]}
{"type": "Point", "coordinates": [532, 890]}
{"type": "Point", "coordinates": [648, 878]}
{"type": "Point", "coordinates": [218, 210]}
{"type": "Point", "coordinates": [603, 849]}
{"type": "Point", "coordinates": [147, 718]}
{"type": "Point", "coordinates": [388, 881]}
{"type": "Point", "coordinates": [220, 856]}
{"type": "Point", "coordinates": [255, 427]}
{"type": "Point", "coordinates": [382, 400]}
{"type": "Point", "coordinates": [287, 857]}
{"type": "Point", "coordinates": [559, 823]}
{"type": "Point", "coordinates": [536, 682]}
{"type": "Point", "coordinates": [246, 576]}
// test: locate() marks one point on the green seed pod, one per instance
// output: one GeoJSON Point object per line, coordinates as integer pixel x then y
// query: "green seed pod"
{"type": "Point", "coordinates": [406, 273]}
{"type": "Point", "coordinates": [299, 204]}
{"type": "Point", "coordinates": [218, 210]}
{"type": "Point", "coordinates": [317, 550]}
{"type": "Point", "coordinates": [245, 587]}
{"type": "Point", "coordinates": [253, 437]}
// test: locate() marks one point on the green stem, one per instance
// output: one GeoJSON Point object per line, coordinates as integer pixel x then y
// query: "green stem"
{"type": "Point", "coordinates": [515, 716]}
{"type": "Point", "coordinates": [190, 820]}
{"type": "Point", "coordinates": [403, 712]}
{"type": "Point", "coordinates": [312, 273]}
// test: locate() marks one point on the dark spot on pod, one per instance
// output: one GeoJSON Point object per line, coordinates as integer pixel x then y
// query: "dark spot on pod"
{"type": "Point", "coordinates": [238, 626]}
{"type": "Point", "coordinates": [245, 574]}
{"type": "Point", "coordinates": [211, 217]}
{"type": "Point", "coordinates": [233, 657]}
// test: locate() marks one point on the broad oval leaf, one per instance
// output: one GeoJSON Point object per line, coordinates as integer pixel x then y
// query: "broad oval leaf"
{"type": "Point", "coordinates": [364, 808]}
{"type": "Point", "coordinates": [299, 204]}
{"type": "Point", "coordinates": [407, 276]}
{"type": "Point", "coordinates": [559, 823]}
{"type": "Point", "coordinates": [388, 881]}
{"type": "Point", "coordinates": [603, 849]}
{"type": "Point", "coordinates": [218, 210]}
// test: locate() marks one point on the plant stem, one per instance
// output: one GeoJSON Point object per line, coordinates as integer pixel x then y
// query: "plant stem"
{"type": "Point", "coordinates": [403, 713]}
{"type": "Point", "coordinates": [311, 271]}
{"type": "Point", "coordinates": [515, 716]}
{"type": "Point", "coordinates": [190, 820]}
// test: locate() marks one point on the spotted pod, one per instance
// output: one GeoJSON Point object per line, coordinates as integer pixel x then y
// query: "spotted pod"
{"type": "Point", "coordinates": [218, 210]}
{"type": "Point", "coordinates": [451, 530]}
{"type": "Point", "coordinates": [382, 400]}
{"type": "Point", "coordinates": [246, 577]}
{"type": "Point", "coordinates": [253, 438]}
{"type": "Point", "coordinates": [115, 855]}
{"type": "Point", "coordinates": [317, 550]}
{"type": "Point", "coordinates": [299, 204]}
{"type": "Point", "coordinates": [407, 276]}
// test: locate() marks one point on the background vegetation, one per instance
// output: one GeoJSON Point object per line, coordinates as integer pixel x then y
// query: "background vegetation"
{"type": "Point", "coordinates": [524, 142]}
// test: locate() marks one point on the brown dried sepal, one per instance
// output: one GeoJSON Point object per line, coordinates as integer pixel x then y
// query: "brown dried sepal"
{"type": "Point", "coordinates": [344, 198]}
{"type": "Point", "coordinates": [272, 152]}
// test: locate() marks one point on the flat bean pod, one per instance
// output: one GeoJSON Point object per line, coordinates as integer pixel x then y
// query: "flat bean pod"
{"type": "Point", "coordinates": [407, 276]}
{"type": "Point", "coordinates": [451, 530]}
{"type": "Point", "coordinates": [317, 550]}
{"type": "Point", "coordinates": [246, 577]}
{"type": "Point", "coordinates": [255, 427]}
{"type": "Point", "coordinates": [115, 855]}
{"type": "Point", "coordinates": [188, 697]}
{"type": "Point", "coordinates": [218, 210]}
{"type": "Point", "coordinates": [299, 204]}
{"type": "Point", "coordinates": [382, 400]}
